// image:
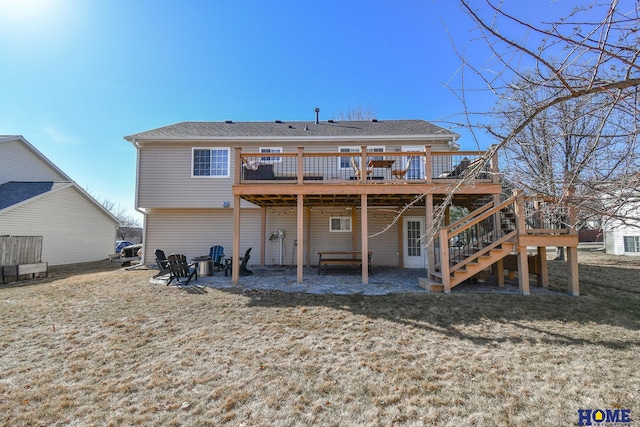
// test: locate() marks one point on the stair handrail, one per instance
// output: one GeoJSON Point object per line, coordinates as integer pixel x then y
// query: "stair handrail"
{"type": "Point", "coordinates": [483, 251]}
{"type": "Point", "coordinates": [484, 212]}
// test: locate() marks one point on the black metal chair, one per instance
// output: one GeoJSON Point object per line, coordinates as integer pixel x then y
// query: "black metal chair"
{"type": "Point", "coordinates": [244, 271]}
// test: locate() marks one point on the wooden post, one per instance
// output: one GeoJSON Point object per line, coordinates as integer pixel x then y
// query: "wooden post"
{"type": "Point", "coordinates": [523, 262]}
{"type": "Point", "coordinates": [354, 236]}
{"type": "Point", "coordinates": [430, 233]}
{"type": "Point", "coordinates": [543, 272]}
{"type": "Point", "coordinates": [364, 223]}
{"type": "Point", "coordinates": [495, 169]}
{"type": "Point", "coordinates": [237, 172]}
{"type": "Point", "coordinates": [363, 164]}
{"type": "Point", "coordinates": [263, 237]}
{"type": "Point", "coordinates": [300, 166]}
{"type": "Point", "coordinates": [235, 253]}
{"type": "Point", "coordinates": [444, 260]}
{"type": "Point", "coordinates": [300, 234]}
{"type": "Point", "coordinates": [308, 241]}
{"type": "Point", "coordinates": [428, 166]}
{"type": "Point", "coordinates": [572, 271]}
{"type": "Point", "coordinates": [400, 243]}
{"type": "Point", "coordinates": [499, 271]}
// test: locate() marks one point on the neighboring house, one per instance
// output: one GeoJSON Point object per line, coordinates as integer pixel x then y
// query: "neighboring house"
{"type": "Point", "coordinates": [292, 190]}
{"type": "Point", "coordinates": [621, 231]}
{"type": "Point", "coordinates": [38, 199]}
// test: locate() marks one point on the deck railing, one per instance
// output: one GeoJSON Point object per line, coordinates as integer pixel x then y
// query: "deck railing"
{"type": "Point", "coordinates": [406, 167]}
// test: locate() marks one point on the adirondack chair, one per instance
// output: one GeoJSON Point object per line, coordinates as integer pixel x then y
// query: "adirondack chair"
{"type": "Point", "coordinates": [244, 271]}
{"type": "Point", "coordinates": [180, 269]}
{"type": "Point", "coordinates": [161, 261]}
{"type": "Point", "coordinates": [216, 254]}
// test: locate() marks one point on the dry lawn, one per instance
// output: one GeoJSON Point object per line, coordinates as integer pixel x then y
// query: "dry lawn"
{"type": "Point", "coordinates": [96, 346]}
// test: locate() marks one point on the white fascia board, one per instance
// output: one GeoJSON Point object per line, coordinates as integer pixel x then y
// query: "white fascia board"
{"type": "Point", "coordinates": [261, 139]}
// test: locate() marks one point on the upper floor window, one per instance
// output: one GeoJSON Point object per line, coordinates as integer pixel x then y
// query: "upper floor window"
{"type": "Point", "coordinates": [213, 162]}
{"type": "Point", "coordinates": [345, 161]}
{"type": "Point", "coordinates": [270, 159]}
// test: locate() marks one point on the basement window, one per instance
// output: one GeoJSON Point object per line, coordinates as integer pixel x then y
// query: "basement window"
{"type": "Point", "coordinates": [338, 224]}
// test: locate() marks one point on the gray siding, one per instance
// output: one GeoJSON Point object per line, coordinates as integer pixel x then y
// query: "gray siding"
{"type": "Point", "coordinates": [165, 179]}
{"type": "Point", "coordinates": [18, 163]}
{"type": "Point", "coordinates": [193, 231]}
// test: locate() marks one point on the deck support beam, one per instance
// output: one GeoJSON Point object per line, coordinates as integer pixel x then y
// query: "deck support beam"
{"type": "Point", "coordinates": [430, 233]}
{"type": "Point", "coordinates": [235, 266]}
{"type": "Point", "coordinates": [301, 240]}
{"type": "Point", "coordinates": [263, 237]}
{"type": "Point", "coordinates": [364, 224]}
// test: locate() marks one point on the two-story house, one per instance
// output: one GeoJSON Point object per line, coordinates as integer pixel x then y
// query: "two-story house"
{"type": "Point", "coordinates": [293, 191]}
{"type": "Point", "coordinates": [39, 199]}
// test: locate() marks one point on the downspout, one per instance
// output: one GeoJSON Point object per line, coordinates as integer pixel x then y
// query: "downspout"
{"type": "Point", "coordinates": [143, 261]}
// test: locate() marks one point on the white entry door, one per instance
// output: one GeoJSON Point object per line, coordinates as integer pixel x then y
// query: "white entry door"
{"type": "Point", "coordinates": [414, 251]}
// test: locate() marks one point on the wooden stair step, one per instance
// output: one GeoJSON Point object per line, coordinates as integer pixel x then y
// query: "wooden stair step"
{"type": "Point", "coordinates": [436, 274]}
{"type": "Point", "coordinates": [430, 285]}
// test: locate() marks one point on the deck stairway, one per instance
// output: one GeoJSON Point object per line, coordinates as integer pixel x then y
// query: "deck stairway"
{"type": "Point", "coordinates": [487, 235]}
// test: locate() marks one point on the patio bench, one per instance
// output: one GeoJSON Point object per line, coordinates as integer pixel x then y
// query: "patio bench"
{"type": "Point", "coordinates": [327, 258]}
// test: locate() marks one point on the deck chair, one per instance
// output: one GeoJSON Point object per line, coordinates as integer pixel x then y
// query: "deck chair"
{"type": "Point", "coordinates": [216, 254]}
{"type": "Point", "coordinates": [356, 170]}
{"type": "Point", "coordinates": [401, 173]}
{"type": "Point", "coordinates": [460, 169]}
{"type": "Point", "coordinates": [180, 269]}
{"type": "Point", "coordinates": [244, 271]}
{"type": "Point", "coordinates": [161, 261]}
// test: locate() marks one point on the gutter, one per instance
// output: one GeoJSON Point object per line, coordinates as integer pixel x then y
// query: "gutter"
{"type": "Point", "coordinates": [143, 260]}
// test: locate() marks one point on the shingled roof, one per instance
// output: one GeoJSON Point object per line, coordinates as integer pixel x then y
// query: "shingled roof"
{"type": "Point", "coordinates": [12, 192]}
{"type": "Point", "coordinates": [283, 129]}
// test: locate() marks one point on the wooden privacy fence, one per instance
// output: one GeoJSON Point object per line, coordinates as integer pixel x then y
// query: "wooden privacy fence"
{"type": "Point", "coordinates": [15, 250]}
{"type": "Point", "coordinates": [21, 256]}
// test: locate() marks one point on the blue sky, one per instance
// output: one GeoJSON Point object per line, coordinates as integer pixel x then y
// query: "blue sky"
{"type": "Point", "coordinates": [79, 75]}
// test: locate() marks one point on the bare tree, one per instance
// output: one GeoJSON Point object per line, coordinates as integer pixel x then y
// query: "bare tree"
{"type": "Point", "coordinates": [128, 224]}
{"type": "Point", "coordinates": [567, 109]}
{"type": "Point", "coordinates": [358, 113]}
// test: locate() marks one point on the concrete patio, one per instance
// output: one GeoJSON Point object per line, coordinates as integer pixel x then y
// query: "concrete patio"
{"type": "Point", "coordinates": [382, 281]}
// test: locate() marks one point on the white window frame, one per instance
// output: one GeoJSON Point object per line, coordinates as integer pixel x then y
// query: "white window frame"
{"type": "Point", "coordinates": [344, 163]}
{"type": "Point", "coordinates": [416, 169]}
{"type": "Point", "coordinates": [636, 244]}
{"type": "Point", "coordinates": [346, 221]}
{"type": "Point", "coordinates": [210, 149]}
{"type": "Point", "coordinates": [269, 150]}
{"type": "Point", "coordinates": [351, 149]}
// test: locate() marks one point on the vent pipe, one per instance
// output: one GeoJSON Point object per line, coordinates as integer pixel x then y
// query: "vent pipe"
{"type": "Point", "coordinates": [317, 110]}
